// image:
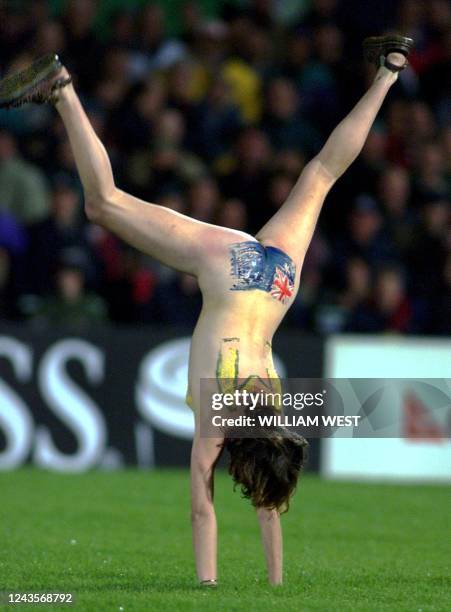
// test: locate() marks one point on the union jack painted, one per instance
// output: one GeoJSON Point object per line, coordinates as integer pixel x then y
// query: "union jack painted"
{"type": "Point", "coordinates": [265, 268]}
{"type": "Point", "coordinates": [283, 285]}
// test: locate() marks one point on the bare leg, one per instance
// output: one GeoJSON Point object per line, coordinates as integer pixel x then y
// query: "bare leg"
{"type": "Point", "coordinates": [174, 239]}
{"type": "Point", "coordinates": [291, 228]}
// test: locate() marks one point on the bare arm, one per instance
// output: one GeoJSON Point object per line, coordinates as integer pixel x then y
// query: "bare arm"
{"type": "Point", "coordinates": [271, 531]}
{"type": "Point", "coordinates": [205, 453]}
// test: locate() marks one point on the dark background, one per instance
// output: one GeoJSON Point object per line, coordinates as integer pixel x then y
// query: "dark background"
{"type": "Point", "coordinates": [213, 108]}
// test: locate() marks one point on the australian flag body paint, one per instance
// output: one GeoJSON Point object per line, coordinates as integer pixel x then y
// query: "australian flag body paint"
{"type": "Point", "coordinates": [269, 269]}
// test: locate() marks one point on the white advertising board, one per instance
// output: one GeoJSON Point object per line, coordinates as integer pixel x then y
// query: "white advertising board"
{"type": "Point", "coordinates": [388, 458]}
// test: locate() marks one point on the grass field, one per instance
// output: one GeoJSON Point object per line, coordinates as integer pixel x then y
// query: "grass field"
{"type": "Point", "coordinates": [122, 540]}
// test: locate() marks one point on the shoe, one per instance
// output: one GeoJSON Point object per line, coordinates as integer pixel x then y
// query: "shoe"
{"type": "Point", "coordinates": [36, 84]}
{"type": "Point", "coordinates": [376, 49]}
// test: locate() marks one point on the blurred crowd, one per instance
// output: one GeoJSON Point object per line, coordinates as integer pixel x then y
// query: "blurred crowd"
{"type": "Point", "coordinates": [217, 122]}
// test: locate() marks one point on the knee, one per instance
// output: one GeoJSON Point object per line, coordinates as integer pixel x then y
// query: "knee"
{"type": "Point", "coordinates": [324, 170]}
{"type": "Point", "coordinates": [95, 208]}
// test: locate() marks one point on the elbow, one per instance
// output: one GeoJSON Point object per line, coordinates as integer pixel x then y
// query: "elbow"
{"type": "Point", "coordinates": [202, 513]}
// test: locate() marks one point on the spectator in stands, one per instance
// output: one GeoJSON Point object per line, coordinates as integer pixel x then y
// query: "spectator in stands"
{"type": "Point", "coordinates": [203, 199]}
{"type": "Point", "coordinates": [430, 172]}
{"type": "Point", "coordinates": [82, 44]}
{"type": "Point", "coordinates": [23, 188]}
{"type": "Point", "coordinates": [71, 305]}
{"type": "Point", "coordinates": [428, 248]}
{"type": "Point", "coordinates": [172, 165]}
{"type": "Point", "coordinates": [279, 188]}
{"type": "Point", "coordinates": [115, 79]}
{"type": "Point", "coordinates": [8, 294]}
{"type": "Point", "coordinates": [214, 122]}
{"type": "Point", "coordinates": [154, 50]}
{"type": "Point", "coordinates": [233, 214]}
{"type": "Point", "coordinates": [130, 289]}
{"type": "Point", "coordinates": [177, 302]}
{"type": "Point", "coordinates": [366, 238]}
{"type": "Point", "coordinates": [64, 228]}
{"type": "Point", "coordinates": [440, 309]}
{"type": "Point", "coordinates": [283, 121]}
{"type": "Point", "coordinates": [388, 309]}
{"type": "Point", "coordinates": [357, 284]}
{"type": "Point", "coordinates": [13, 244]}
{"type": "Point", "coordinates": [50, 38]}
{"type": "Point", "coordinates": [394, 195]}
{"type": "Point", "coordinates": [248, 176]}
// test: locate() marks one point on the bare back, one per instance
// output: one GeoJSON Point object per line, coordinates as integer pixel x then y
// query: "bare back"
{"type": "Point", "coordinates": [247, 288]}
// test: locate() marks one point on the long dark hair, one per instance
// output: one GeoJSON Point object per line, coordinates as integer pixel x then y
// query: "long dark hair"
{"type": "Point", "coordinates": [267, 468]}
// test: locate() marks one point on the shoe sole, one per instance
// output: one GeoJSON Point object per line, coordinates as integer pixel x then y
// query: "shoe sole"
{"type": "Point", "coordinates": [22, 86]}
{"type": "Point", "coordinates": [376, 46]}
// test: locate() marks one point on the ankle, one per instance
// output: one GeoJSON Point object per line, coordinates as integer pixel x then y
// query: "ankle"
{"type": "Point", "coordinates": [386, 75]}
{"type": "Point", "coordinates": [391, 65]}
{"type": "Point", "coordinates": [65, 93]}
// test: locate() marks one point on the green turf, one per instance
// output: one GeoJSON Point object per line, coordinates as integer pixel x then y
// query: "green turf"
{"type": "Point", "coordinates": [123, 540]}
